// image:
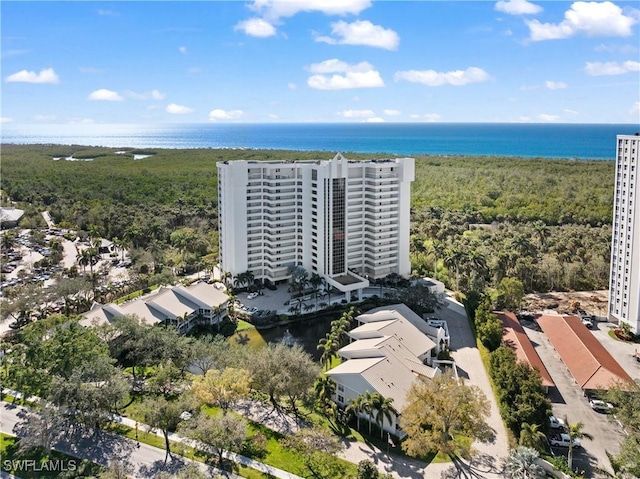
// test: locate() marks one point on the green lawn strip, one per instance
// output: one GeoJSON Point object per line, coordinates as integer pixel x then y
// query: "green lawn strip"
{"type": "Point", "coordinates": [136, 294]}
{"type": "Point", "coordinates": [242, 325]}
{"type": "Point", "coordinates": [38, 464]}
{"type": "Point", "coordinates": [276, 454]}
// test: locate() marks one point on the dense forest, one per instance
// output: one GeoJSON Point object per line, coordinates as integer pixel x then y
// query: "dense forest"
{"type": "Point", "coordinates": [475, 220]}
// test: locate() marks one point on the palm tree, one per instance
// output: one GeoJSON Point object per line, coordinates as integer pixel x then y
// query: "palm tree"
{"type": "Point", "coordinates": [384, 408]}
{"type": "Point", "coordinates": [452, 258]}
{"type": "Point", "coordinates": [83, 259]}
{"type": "Point", "coordinates": [226, 278]}
{"type": "Point", "coordinates": [324, 387]}
{"type": "Point", "coordinates": [368, 405]}
{"type": "Point", "coordinates": [531, 436]}
{"type": "Point", "coordinates": [356, 406]}
{"type": "Point", "coordinates": [328, 345]}
{"type": "Point", "coordinates": [315, 281]}
{"type": "Point", "coordinates": [522, 464]}
{"type": "Point", "coordinates": [574, 430]}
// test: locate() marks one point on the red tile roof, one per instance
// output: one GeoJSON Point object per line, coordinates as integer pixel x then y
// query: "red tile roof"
{"type": "Point", "coordinates": [515, 337]}
{"type": "Point", "coordinates": [589, 362]}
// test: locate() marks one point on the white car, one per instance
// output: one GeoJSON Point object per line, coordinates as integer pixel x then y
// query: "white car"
{"type": "Point", "coordinates": [556, 423]}
{"type": "Point", "coordinates": [563, 440]}
{"type": "Point", "coordinates": [252, 295]}
{"type": "Point", "coordinates": [600, 406]}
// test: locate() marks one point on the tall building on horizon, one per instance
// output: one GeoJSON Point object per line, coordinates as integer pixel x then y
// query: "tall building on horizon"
{"type": "Point", "coordinates": [624, 278]}
{"type": "Point", "coordinates": [347, 221]}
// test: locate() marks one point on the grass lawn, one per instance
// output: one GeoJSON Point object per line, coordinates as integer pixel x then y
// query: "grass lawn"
{"type": "Point", "coordinates": [38, 464]}
{"type": "Point", "coordinates": [275, 453]}
{"type": "Point", "coordinates": [247, 337]}
{"type": "Point", "coordinates": [243, 325]}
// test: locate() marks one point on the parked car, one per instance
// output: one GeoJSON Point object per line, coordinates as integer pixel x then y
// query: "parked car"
{"type": "Point", "coordinates": [563, 440]}
{"type": "Point", "coordinates": [587, 323]}
{"type": "Point", "coordinates": [600, 406]}
{"type": "Point", "coordinates": [556, 423]}
{"type": "Point", "coordinates": [252, 295]}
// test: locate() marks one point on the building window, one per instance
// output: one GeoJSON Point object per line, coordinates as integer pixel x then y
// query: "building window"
{"type": "Point", "coordinates": [340, 399]}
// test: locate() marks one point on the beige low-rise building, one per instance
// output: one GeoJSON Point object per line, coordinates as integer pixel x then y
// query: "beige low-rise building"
{"type": "Point", "coordinates": [184, 307]}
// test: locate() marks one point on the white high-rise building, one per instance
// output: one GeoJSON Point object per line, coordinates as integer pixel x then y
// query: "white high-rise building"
{"type": "Point", "coordinates": [624, 286]}
{"type": "Point", "coordinates": [348, 221]}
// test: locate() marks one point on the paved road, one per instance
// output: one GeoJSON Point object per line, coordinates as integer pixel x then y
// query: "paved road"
{"type": "Point", "coordinates": [569, 400]}
{"type": "Point", "coordinates": [145, 461]}
{"type": "Point", "coordinates": [469, 363]}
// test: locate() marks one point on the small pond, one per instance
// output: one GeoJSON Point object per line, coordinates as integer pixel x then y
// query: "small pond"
{"type": "Point", "coordinates": [307, 333]}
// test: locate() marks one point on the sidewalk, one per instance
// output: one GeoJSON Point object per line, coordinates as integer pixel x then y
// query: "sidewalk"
{"type": "Point", "coordinates": [243, 460]}
{"type": "Point", "coordinates": [143, 460]}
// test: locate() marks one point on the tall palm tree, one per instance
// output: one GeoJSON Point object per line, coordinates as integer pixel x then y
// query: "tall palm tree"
{"type": "Point", "coordinates": [522, 464]}
{"type": "Point", "coordinates": [368, 405]}
{"type": "Point", "coordinates": [531, 436]}
{"type": "Point", "coordinates": [384, 409]}
{"type": "Point", "coordinates": [574, 430]}
{"type": "Point", "coordinates": [324, 387]}
{"type": "Point", "coordinates": [356, 406]}
{"type": "Point", "coordinates": [328, 345]}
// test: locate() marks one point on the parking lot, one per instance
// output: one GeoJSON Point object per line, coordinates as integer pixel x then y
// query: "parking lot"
{"type": "Point", "coordinates": [568, 400]}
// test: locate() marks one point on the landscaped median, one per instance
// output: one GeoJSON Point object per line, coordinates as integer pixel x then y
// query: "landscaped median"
{"type": "Point", "coordinates": [38, 464]}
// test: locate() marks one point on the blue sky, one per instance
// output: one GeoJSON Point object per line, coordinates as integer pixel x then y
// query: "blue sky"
{"type": "Point", "coordinates": [320, 61]}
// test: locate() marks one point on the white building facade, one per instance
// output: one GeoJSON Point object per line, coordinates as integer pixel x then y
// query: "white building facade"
{"type": "Point", "coordinates": [346, 220]}
{"type": "Point", "coordinates": [624, 279]}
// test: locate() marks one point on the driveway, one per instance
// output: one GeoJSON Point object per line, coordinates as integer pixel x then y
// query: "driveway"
{"type": "Point", "coordinates": [568, 400]}
{"type": "Point", "coordinates": [621, 351]}
{"type": "Point", "coordinates": [491, 456]}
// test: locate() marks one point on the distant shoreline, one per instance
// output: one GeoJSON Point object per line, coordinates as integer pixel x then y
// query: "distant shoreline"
{"type": "Point", "coordinates": [150, 151]}
{"type": "Point", "coordinates": [534, 140]}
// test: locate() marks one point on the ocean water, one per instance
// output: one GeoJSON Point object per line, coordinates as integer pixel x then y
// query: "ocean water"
{"type": "Point", "coordinates": [588, 141]}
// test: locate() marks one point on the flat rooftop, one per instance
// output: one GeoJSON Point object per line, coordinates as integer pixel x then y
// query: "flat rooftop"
{"type": "Point", "coordinates": [346, 279]}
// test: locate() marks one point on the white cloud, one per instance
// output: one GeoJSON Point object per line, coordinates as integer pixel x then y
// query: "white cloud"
{"type": "Point", "coordinates": [183, 50]}
{"type": "Point", "coordinates": [548, 118]}
{"type": "Point", "coordinates": [194, 70]}
{"type": "Point", "coordinates": [334, 65]}
{"type": "Point", "coordinates": [176, 109]}
{"type": "Point", "coordinates": [624, 49]}
{"type": "Point", "coordinates": [361, 32]}
{"type": "Point", "coordinates": [105, 95]}
{"type": "Point", "coordinates": [6, 119]}
{"type": "Point", "coordinates": [555, 85]}
{"type": "Point", "coordinates": [375, 119]}
{"type": "Point", "coordinates": [356, 114]}
{"type": "Point", "coordinates": [24, 76]}
{"type": "Point", "coordinates": [256, 27]}
{"type": "Point", "coordinates": [273, 116]}
{"type": "Point", "coordinates": [360, 75]}
{"type": "Point", "coordinates": [593, 19]}
{"type": "Point", "coordinates": [219, 114]}
{"type": "Point", "coordinates": [150, 95]}
{"type": "Point", "coordinates": [391, 112]}
{"type": "Point", "coordinates": [611, 68]}
{"type": "Point", "coordinates": [275, 9]}
{"type": "Point", "coordinates": [157, 95]}
{"type": "Point", "coordinates": [434, 78]}
{"type": "Point", "coordinates": [44, 117]}
{"type": "Point", "coordinates": [292, 86]}
{"type": "Point", "coordinates": [517, 7]}
{"type": "Point", "coordinates": [635, 108]}
{"type": "Point", "coordinates": [570, 112]}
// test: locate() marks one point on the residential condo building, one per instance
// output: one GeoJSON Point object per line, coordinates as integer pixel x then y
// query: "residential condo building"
{"type": "Point", "coordinates": [346, 220]}
{"type": "Point", "coordinates": [624, 286]}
